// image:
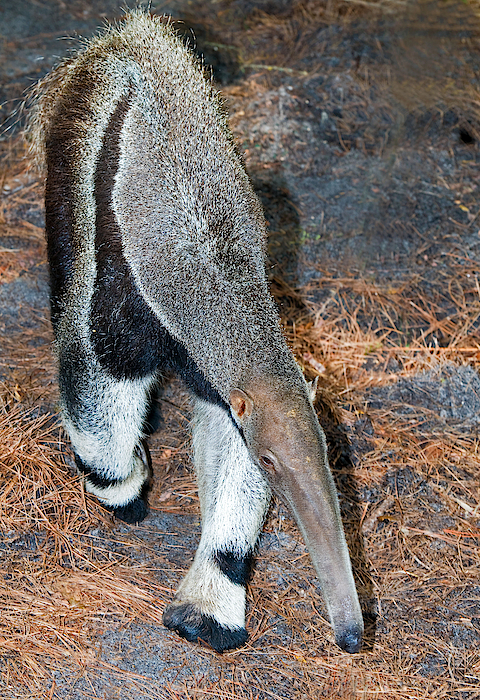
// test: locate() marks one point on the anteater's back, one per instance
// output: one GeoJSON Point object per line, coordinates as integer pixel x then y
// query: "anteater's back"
{"type": "Point", "coordinates": [175, 119]}
{"type": "Point", "coordinates": [135, 138]}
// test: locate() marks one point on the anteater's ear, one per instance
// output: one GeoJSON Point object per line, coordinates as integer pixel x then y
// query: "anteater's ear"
{"type": "Point", "coordinates": [312, 389]}
{"type": "Point", "coordinates": [241, 404]}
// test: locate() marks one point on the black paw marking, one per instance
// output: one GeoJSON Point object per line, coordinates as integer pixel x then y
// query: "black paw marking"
{"type": "Point", "coordinates": [190, 624]}
{"type": "Point", "coordinates": [136, 510]}
{"type": "Point", "coordinates": [133, 512]}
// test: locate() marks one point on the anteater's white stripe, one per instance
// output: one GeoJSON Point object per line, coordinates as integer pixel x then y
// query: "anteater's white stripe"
{"type": "Point", "coordinates": [234, 498]}
{"type": "Point", "coordinates": [110, 427]}
{"type": "Point", "coordinates": [233, 492]}
{"type": "Point", "coordinates": [213, 594]}
{"type": "Point", "coordinates": [124, 492]}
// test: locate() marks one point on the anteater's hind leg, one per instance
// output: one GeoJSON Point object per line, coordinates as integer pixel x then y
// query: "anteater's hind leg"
{"type": "Point", "coordinates": [234, 497]}
{"type": "Point", "coordinates": [103, 417]}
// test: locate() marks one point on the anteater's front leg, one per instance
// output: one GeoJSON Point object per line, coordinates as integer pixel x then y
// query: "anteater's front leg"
{"type": "Point", "coordinates": [234, 497]}
{"type": "Point", "coordinates": [104, 417]}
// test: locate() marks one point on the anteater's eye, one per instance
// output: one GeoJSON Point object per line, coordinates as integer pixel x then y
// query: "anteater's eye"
{"type": "Point", "coordinates": [267, 463]}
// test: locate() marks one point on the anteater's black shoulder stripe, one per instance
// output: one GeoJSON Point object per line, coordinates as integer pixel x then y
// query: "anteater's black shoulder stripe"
{"type": "Point", "coordinates": [237, 568]}
{"type": "Point", "coordinates": [61, 146]}
{"type": "Point", "coordinates": [124, 330]}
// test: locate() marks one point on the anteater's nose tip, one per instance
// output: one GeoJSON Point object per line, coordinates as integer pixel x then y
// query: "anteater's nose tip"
{"type": "Point", "coordinates": [350, 639]}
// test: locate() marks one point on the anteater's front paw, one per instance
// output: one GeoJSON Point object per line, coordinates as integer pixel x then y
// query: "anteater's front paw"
{"type": "Point", "coordinates": [133, 512]}
{"type": "Point", "coordinates": [193, 625]}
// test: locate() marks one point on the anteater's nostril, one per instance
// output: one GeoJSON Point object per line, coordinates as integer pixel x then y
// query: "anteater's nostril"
{"type": "Point", "coordinates": [350, 639]}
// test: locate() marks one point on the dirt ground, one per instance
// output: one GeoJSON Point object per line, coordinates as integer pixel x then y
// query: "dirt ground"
{"type": "Point", "coordinates": [360, 124]}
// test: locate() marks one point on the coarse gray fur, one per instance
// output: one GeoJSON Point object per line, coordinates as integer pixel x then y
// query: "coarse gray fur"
{"type": "Point", "coordinates": [157, 261]}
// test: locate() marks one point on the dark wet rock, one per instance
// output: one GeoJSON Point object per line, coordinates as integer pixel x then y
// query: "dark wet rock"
{"type": "Point", "coordinates": [448, 392]}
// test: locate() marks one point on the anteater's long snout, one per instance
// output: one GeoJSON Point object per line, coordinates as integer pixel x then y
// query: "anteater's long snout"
{"type": "Point", "coordinates": [312, 498]}
{"type": "Point", "coordinates": [285, 438]}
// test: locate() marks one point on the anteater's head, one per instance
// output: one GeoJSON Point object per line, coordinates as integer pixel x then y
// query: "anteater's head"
{"type": "Point", "coordinates": [283, 435]}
